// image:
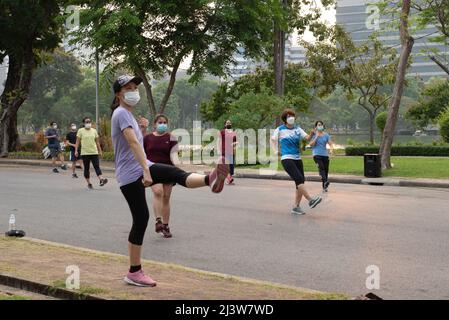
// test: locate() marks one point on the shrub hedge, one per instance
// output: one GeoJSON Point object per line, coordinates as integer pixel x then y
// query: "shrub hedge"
{"type": "Point", "coordinates": [424, 151]}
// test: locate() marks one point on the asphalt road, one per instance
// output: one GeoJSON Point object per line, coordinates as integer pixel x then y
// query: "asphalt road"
{"type": "Point", "coordinates": [248, 231]}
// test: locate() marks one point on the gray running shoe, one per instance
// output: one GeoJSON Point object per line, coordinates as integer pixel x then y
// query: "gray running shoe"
{"type": "Point", "coordinates": [298, 211]}
{"type": "Point", "coordinates": [315, 201]}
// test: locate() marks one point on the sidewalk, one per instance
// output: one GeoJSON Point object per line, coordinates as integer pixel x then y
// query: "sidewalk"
{"type": "Point", "coordinates": [279, 175]}
{"type": "Point", "coordinates": [35, 264]}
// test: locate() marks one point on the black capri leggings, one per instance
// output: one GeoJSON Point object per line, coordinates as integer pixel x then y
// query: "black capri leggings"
{"type": "Point", "coordinates": [323, 167]}
{"type": "Point", "coordinates": [135, 196]}
{"type": "Point", "coordinates": [295, 170]}
{"type": "Point", "coordinates": [87, 159]}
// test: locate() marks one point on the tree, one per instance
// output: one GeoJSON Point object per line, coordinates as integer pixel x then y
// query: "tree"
{"type": "Point", "coordinates": [59, 73]}
{"type": "Point", "coordinates": [443, 121]}
{"type": "Point", "coordinates": [381, 120]}
{"type": "Point", "coordinates": [362, 70]}
{"type": "Point", "coordinates": [337, 111]}
{"type": "Point", "coordinates": [253, 110]}
{"type": "Point", "coordinates": [407, 42]}
{"type": "Point", "coordinates": [28, 29]}
{"type": "Point", "coordinates": [433, 100]}
{"type": "Point", "coordinates": [189, 96]}
{"type": "Point", "coordinates": [434, 13]}
{"type": "Point", "coordinates": [295, 17]}
{"type": "Point", "coordinates": [152, 38]}
{"type": "Point", "coordinates": [298, 91]}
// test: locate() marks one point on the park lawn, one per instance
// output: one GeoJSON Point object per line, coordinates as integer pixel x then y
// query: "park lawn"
{"type": "Point", "coordinates": [409, 167]}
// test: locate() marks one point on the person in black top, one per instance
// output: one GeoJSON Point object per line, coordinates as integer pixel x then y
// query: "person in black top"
{"type": "Point", "coordinates": [71, 141]}
{"type": "Point", "coordinates": [52, 135]}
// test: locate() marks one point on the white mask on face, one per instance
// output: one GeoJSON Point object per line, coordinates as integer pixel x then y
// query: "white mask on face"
{"type": "Point", "coordinates": [55, 126]}
{"type": "Point", "coordinates": [290, 120]}
{"type": "Point", "coordinates": [131, 98]}
{"type": "Point", "coordinates": [88, 125]}
{"type": "Point", "coordinates": [73, 127]}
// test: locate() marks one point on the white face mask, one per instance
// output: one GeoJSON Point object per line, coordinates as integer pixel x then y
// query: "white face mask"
{"type": "Point", "coordinates": [291, 120]}
{"type": "Point", "coordinates": [73, 127]}
{"type": "Point", "coordinates": [131, 98]}
{"type": "Point", "coordinates": [55, 126]}
{"type": "Point", "coordinates": [88, 125]}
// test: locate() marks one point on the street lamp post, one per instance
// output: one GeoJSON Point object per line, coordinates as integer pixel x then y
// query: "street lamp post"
{"type": "Point", "coordinates": [97, 91]}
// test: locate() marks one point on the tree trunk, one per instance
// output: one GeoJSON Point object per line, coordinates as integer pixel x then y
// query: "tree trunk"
{"type": "Point", "coordinates": [17, 87]}
{"type": "Point", "coordinates": [407, 44]}
{"type": "Point", "coordinates": [371, 128]}
{"type": "Point", "coordinates": [279, 60]}
{"type": "Point", "coordinates": [148, 90]}
{"type": "Point", "coordinates": [363, 102]}
{"type": "Point", "coordinates": [279, 56]}
{"type": "Point", "coordinates": [171, 84]}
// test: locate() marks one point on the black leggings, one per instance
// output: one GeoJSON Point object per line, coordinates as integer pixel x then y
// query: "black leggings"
{"type": "Point", "coordinates": [323, 167]}
{"type": "Point", "coordinates": [87, 159]}
{"type": "Point", "coordinates": [295, 170]}
{"type": "Point", "coordinates": [135, 196]}
{"type": "Point", "coordinates": [231, 169]}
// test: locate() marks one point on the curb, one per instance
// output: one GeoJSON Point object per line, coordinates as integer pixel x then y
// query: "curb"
{"type": "Point", "coordinates": [44, 289]}
{"type": "Point", "coordinates": [308, 178]}
{"type": "Point", "coordinates": [346, 180]}
{"type": "Point", "coordinates": [34, 163]}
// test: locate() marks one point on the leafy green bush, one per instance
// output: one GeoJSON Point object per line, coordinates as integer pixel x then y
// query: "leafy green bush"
{"type": "Point", "coordinates": [424, 151]}
{"type": "Point", "coordinates": [30, 147]}
{"type": "Point", "coordinates": [443, 121]}
{"type": "Point", "coordinates": [381, 120]}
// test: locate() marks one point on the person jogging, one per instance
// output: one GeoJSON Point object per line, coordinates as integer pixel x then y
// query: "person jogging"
{"type": "Point", "coordinates": [134, 172]}
{"type": "Point", "coordinates": [70, 140]}
{"type": "Point", "coordinates": [161, 147]}
{"type": "Point", "coordinates": [88, 138]}
{"type": "Point", "coordinates": [319, 142]}
{"type": "Point", "coordinates": [54, 145]}
{"type": "Point", "coordinates": [289, 137]}
{"type": "Point", "coordinates": [228, 142]}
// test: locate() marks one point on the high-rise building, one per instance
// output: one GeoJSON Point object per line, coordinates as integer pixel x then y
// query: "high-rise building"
{"type": "Point", "coordinates": [244, 65]}
{"type": "Point", "coordinates": [361, 18]}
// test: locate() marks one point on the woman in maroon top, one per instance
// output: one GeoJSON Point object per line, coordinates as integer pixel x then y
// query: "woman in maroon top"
{"type": "Point", "coordinates": [161, 147]}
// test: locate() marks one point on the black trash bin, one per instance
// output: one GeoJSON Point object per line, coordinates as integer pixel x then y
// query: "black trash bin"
{"type": "Point", "coordinates": [372, 165]}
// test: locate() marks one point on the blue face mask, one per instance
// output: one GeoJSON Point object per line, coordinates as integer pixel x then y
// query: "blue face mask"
{"type": "Point", "coordinates": [161, 128]}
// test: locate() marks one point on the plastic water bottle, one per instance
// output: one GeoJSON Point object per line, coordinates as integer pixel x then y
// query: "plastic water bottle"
{"type": "Point", "coordinates": [12, 222]}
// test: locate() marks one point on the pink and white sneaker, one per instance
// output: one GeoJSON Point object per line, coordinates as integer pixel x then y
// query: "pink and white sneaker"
{"type": "Point", "coordinates": [218, 176]}
{"type": "Point", "coordinates": [139, 279]}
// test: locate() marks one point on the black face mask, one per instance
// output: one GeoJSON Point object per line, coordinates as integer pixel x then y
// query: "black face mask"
{"type": "Point", "coordinates": [228, 126]}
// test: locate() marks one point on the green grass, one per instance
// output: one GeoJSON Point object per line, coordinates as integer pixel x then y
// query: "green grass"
{"type": "Point", "coordinates": [12, 297]}
{"type": "Point", "coordinates": [86, 290]}
{"type": "Point", "coordinates": [409, 167]}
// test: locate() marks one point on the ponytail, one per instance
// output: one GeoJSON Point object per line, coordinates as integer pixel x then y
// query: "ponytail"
{"type": "Point", "coordinates": [114, 105]}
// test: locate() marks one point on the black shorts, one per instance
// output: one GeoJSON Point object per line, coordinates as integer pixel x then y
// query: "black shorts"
{"type": "Point", "coordinates": [54, 151]}
{"type": "Point", "coordinates": [72, 156]}
{"type": "Point", "coordinates": [295, 170]}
